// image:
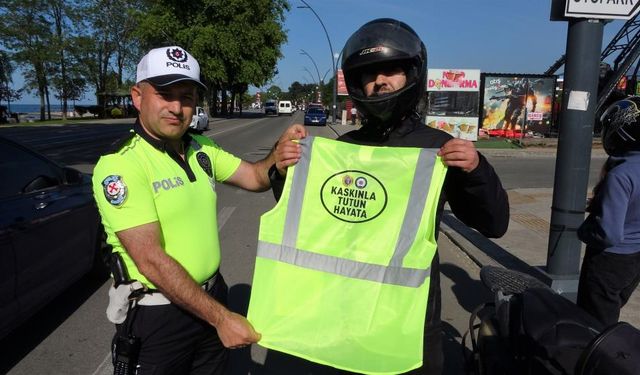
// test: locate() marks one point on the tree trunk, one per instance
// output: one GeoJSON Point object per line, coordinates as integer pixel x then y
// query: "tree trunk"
{"type": "Point", "coordinates": [42, 86]}
{"type": "Point", "coordinates": [58, 15]}
{"type": "Point", "coordinates": [224, 111]}
{"type": "Point", "coordinates": [41, 94]}
{"type": "Point", "coordinates": [240, 95]}
{"type": "Point", "coordinates": [233, 103]}
{"type": "Point", "coordinates": [46, 92]}
{"type": "Point", "coordinates": [212, 100]}
{"type": "Point", "coordinates": [215, 100]}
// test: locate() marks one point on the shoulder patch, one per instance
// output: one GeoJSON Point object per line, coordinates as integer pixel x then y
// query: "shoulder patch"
{"type": "Point", "coordinates": [115, 190]}
{"type": "Point", "coordinates": [205, 163]}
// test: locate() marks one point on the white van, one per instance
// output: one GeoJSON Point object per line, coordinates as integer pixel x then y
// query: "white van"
{"type": "Point", "coordinates": [285, 107]}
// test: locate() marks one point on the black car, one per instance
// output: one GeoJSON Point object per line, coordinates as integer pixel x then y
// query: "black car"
{"type": "Point", "coordinates": [50, 232]}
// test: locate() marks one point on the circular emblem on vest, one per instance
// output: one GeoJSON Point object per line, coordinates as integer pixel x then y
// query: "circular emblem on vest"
{"type": "Point", "coordinates": [353, 196]}
{"type": "Point", "coordinates": [115, 190]}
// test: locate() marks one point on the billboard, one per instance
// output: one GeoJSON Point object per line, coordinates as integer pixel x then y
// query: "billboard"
{"type": "Point", "coordinates": [511, 102]}
{"type": "Point", "coordinates": [342, 85]}
{"type": "Point", "coordinates": [453, 97]}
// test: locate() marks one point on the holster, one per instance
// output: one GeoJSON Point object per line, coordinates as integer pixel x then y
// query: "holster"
{"type": "Point", "coordinates": [121, 298]}
{"type": "Point", "coordinates": [123, 293]}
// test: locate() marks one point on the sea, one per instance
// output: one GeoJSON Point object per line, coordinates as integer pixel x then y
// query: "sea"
{"type": "Point", "coordinates": [35, 108]}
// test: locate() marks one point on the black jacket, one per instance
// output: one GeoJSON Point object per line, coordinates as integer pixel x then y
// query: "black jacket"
{"type": "Point", "coordinates": [477, 198]}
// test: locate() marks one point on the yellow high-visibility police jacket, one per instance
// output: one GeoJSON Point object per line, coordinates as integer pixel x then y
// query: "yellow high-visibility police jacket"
{"type": "Point", "coordinates": [343, 262]}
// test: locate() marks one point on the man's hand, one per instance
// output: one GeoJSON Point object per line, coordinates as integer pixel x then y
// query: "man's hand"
{"type": "Point", "coordinates": [460, 153]}
{"type": "Point", "coordinates": [235, 331]}
{"type": "Point", "coordinates": [286, 151]}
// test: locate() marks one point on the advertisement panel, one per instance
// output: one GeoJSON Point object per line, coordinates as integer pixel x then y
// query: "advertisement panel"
{"type": "Point", "coordinates": [513, 101]}
{"type": "Point", "coordinates": [453, 97]}
{"type": "Point", "coordinates": [342, 85]}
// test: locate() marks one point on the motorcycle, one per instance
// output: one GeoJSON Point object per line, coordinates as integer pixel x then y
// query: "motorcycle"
{"type": "Point", "coordinates": [530, 329]}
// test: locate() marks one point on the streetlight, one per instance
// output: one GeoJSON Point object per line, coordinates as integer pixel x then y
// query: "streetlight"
{"type": "Point", "coordinates": [310, 75]}
{"type": "Point", "coordinates": [333, 64]}
{"type": "Point", "coordinates": [303, 52]}
{"type": "Point", "coordinates": [325, 74]}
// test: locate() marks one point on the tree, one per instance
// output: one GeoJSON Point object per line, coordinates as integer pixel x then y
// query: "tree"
{"type": "Point", "coordinates": [108, 45]}
{"type": "Point", "coordinates": [26, 33]}
{"type": "Point", "coordinates": [236, 42]}
{"type": "Point", "coordinates": [66, 19]}
{"type": "Point", "coordinates": [74, 89]}
{"type": "Point", "coordinates": [273, 93]}
{"type": "Point", "coordinates": [6, 68]}
{"type": "Point", "coordinates": [327, 93]}
{"type": "Point", "coordinates": [247, 99]}
{"type": "Point", "coordinates": [6, 72]}
{"type": "Point", "coordinates": [8, 94]}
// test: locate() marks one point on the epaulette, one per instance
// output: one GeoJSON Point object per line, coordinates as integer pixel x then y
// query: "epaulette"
{"type": "Point", "coordinates": [120, 142]}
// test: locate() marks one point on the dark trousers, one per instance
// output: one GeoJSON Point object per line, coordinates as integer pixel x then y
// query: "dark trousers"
{"type": "Point", "coordinates": [607, 280]}
{"type": "Point", "coordinates": [173, 341]}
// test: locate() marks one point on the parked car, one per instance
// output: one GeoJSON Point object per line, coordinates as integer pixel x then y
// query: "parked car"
{"type": "Point", "coordinates": [271, 107]}
{"type": "Point", "coordinates": [200, 120]}
{"type": "Point", "coordinates": [50, 232]}
{"type": "Point", "coordinates": [315, 116]}
{"type": "Point", "coordinates": [285, 107]}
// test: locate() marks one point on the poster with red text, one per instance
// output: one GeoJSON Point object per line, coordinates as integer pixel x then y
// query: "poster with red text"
{"type": "Point", "coordinates": [453, 97]}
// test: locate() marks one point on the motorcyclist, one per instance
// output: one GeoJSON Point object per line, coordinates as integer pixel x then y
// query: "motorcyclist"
{"type": "Point", "coordinates": [385, 65]}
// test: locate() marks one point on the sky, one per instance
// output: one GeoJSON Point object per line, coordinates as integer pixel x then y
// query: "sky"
{"type": "Point", "coordinates": [495, 36]}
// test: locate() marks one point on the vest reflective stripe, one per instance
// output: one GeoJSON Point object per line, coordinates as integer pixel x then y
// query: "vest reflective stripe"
{"type": "Point", "coordinates": [417, 199]}
{"type": "Point", "coordinates": [349, 290]}
{"type": "Point", "coordinates": [394, 273]}
{"type": "Point", "coordinates": [295, 198]}
{"type": "Point", "coordinates": [409, 277]}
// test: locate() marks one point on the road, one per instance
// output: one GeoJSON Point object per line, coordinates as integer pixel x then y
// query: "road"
{"type": "Point", "coordinates": [71, 335]}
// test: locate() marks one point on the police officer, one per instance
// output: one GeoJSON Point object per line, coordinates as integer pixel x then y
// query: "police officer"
{"type": "Point", "coordinates": [156, 195]}
{"type": "Point", "coordinates": [385, 65]}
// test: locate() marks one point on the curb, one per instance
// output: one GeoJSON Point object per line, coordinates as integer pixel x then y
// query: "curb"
{"type": "Point", "coordinates": [481, 250]}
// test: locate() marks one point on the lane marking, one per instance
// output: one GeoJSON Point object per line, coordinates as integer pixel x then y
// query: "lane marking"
{"type": "Point", "coordinates": [106, 367]}
{"type": "Point", "coordinates": [235, 128]}
{"type": "Point", "coordinates": [224, 215]}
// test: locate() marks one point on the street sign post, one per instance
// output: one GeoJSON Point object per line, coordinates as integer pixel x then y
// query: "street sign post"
{"type": "Point", "coordinates": [577, 115]}
{"type": "Point", "coordinates": [602, 9]}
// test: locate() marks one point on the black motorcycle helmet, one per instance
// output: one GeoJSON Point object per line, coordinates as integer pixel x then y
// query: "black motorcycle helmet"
{"type": "Point", "coordinates": [376, 43]}
{"type": "Point", "coordinates": [621, 126]}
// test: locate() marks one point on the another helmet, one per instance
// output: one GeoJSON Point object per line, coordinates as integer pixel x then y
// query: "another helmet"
{"type": "Point", "coordinates": [621, 126]}
{"type": "Point", "coordinates": [378, 42]}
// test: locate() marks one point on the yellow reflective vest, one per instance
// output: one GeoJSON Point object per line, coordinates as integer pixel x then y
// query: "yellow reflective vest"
{"type": "Point", "coordinates": [343, 263]}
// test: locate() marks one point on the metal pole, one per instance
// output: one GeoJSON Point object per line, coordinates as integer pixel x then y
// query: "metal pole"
{"type": "Point", "coordinates": [333, 64]}
{"type": "Point", "coordinates": [313, 61]}
{"type": "Point", "coordinates": [579, 100]}
{"type": "Point", "coordinates": [311, 75]}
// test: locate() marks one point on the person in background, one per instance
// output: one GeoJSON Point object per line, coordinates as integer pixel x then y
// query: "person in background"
{"type": "Point", "coordinates": [354, 115]}
{"type": "Point", "coordinates": [611, 265]}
